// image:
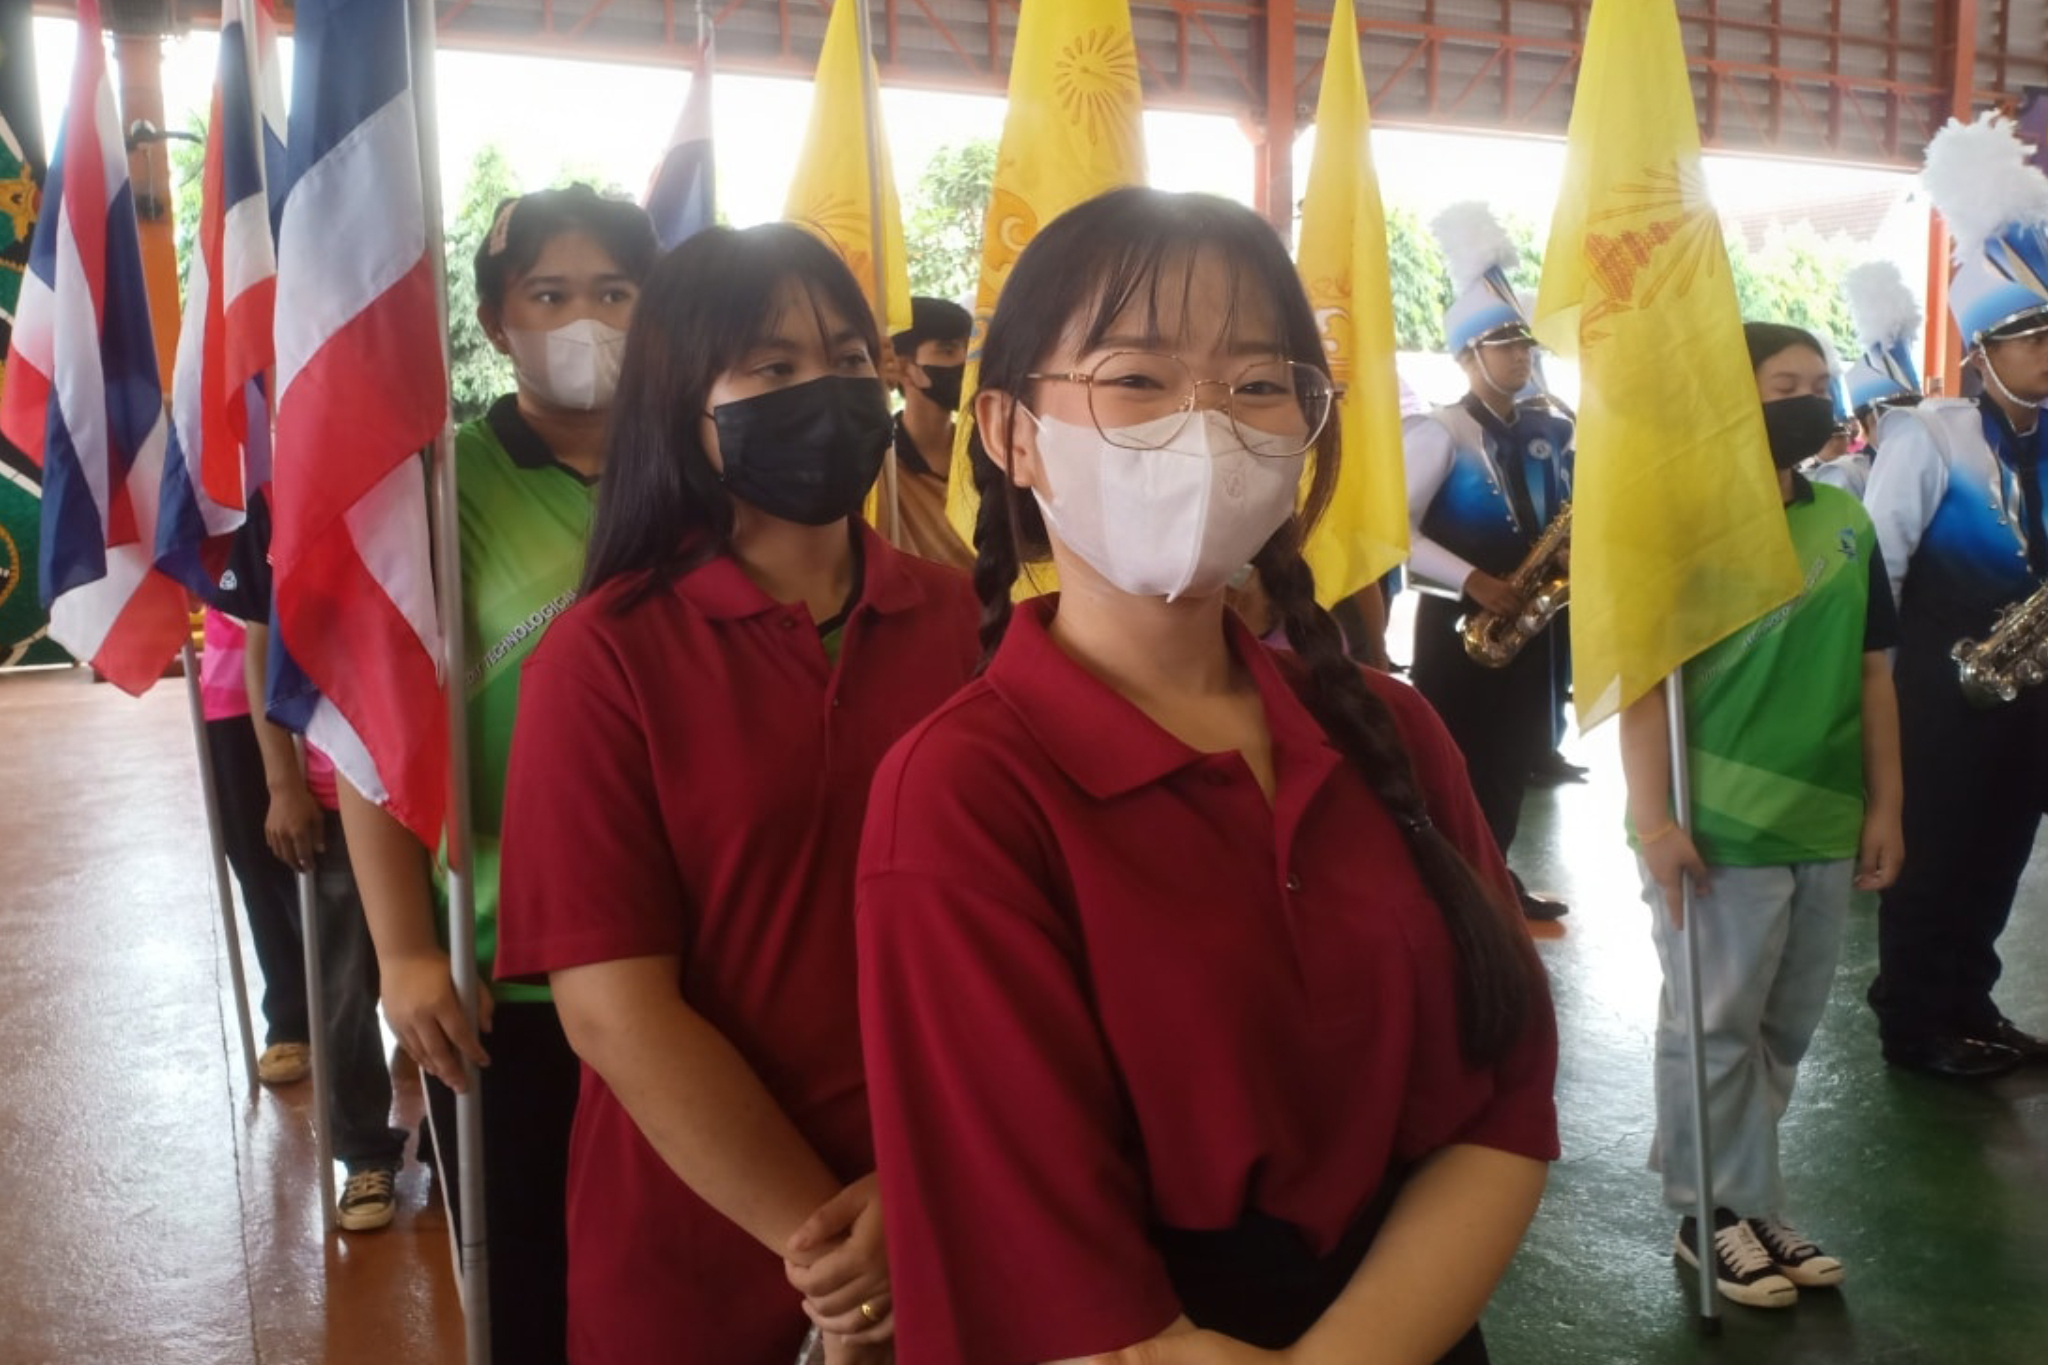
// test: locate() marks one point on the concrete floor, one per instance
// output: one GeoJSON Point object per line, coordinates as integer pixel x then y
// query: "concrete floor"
{"type": "Point", "coordinates": [153, 1212]}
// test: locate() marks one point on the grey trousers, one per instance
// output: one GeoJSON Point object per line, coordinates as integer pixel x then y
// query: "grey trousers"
{"type": "Point", "coordinates": [1770, 938]}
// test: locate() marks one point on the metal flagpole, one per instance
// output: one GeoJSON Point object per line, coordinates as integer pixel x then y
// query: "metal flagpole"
{"type": "Point", "coordinates": [871, 127]}
{"type": "Point", "coordinates": [316, 1018]}
{"type": "Point", "coordinates": [229, 932]}
{"type": "Point", "coordinates": [1709, 1321]}
{"type": "Point", "coordinates": [473, 1234]}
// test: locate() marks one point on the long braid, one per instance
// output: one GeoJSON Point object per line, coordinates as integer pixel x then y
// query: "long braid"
{"type": "Point", "coordinates": [995, 548]}
{"type": "Point", "coordinates": [1496, 981]}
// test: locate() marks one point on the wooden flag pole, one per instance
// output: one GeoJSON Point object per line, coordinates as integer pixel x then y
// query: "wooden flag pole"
{"type": "Point", "coordinates": [230, 935]}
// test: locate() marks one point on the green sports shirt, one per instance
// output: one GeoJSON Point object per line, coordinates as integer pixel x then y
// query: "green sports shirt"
{"type": "Point", "coordinates": [1774, 713]}
{"type": "Point", "coordinates": [525, 520]}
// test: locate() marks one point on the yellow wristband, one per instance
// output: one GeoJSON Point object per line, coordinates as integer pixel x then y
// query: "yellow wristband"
{"type": "Point", "coordinates": [1645, 840]}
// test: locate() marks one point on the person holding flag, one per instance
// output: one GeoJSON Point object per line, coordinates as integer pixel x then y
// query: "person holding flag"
{"type": "Point", "coordinates": [1957, 498]}
{"type": "Point", "coordinates": [1793, 739]}
{"type": "Point", "coordinates": [931, 361]}
{"type": "Point", "coordinates": [1487, 477]}
{"type": "Point", "coordinates": [557, 280]}
{"type": "Point", "coordinates": [1208, 1017]}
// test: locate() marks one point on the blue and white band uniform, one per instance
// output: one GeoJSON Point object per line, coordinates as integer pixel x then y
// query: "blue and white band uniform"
{"type": "Point", "coordinates": [1464, 506]}
{"type": "Point", "coordinates": [1949, 497]}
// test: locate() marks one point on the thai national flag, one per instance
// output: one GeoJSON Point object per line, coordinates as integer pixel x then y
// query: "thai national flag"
{"type": "Point", "coordinates": [83, 400]}
{"type": "Point", "coordinates": [681, 194]}
{"type": "Point", "coordinates": [219, 405]}
{"type": "Point", "coordinates": [362, 388]}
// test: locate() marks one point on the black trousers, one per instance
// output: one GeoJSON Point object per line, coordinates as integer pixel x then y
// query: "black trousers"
{"type": "Point", "coordinates": [1976, 784]}
{"type": "Point", "coordinates": [270, 896]}
{"type": "Point", "coordinates": [1259, 1282]}
{"type": "Point", "coordinates": [529, 1103]}
{"type": "Point", "coordinates": [1501, 718]}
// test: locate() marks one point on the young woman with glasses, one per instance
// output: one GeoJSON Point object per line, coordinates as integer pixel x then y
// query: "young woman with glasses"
{"type": "Point", "coordinates": [1198, 1012]}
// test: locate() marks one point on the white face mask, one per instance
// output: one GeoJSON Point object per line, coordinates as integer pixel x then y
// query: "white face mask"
{"type": "Point", "coordinates": [1169, 520]}
{"type": "Point", "coordinates": [575, 366]}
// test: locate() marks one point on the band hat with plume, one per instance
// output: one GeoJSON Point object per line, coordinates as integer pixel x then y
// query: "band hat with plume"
{"type": "Point", "coordinates": [1887, 318]}
{"type": "Point", "coordinates": [1996, 207]}
{"type": "Point", "coordinates": [1479, 253]}
{"type": "Point", "coordinates": [1837, 391]}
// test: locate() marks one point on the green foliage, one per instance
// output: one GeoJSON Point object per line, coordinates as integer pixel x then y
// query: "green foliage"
{"type": "Point", "coordinates": [942, 227]}
{"type": "Point", "coordinates": [1421, 286]}
{"type": "Point", "coordinates": [1796, 278]}
{"type": "Point", "coordinates": [188, 171]}
{"type": "Point", "coordinates": [477, 373]}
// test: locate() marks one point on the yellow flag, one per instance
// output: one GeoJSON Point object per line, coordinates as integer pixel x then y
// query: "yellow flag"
{"type": "Point", "coordinates": [1343, 262]}
{"type": "Point", "coordinates": [1678, 530]}
{"type": "Point", "coordinates": [831, 194]}
{"type": "Point", "coordinates": [1073, 131]}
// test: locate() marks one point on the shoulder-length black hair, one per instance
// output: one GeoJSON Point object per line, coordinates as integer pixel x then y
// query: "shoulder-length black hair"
{"type": "Point", "coordinates": [1080, 276]}
{"type": "Point", "coordinates": [1767, 339]}
{"type": "Point", "coordinates": [662, 509]}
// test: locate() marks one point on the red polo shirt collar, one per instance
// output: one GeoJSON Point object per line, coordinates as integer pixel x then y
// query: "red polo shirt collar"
{"type": "Point", "coordinates": [721, 590]}
{"type": "Point", "coordinates": [1106, 744]}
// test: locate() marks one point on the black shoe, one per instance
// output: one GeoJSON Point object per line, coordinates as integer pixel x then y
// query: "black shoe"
{"type": "Point", "coordinates": [2032, 1050]}
{"type": "Point", "coordinates": [1543, 909]}
{"type": "Point", "coordinates": [1955, 1058]}
{"type": "Point", "coordinates": [1551, 770]}
{"type": "Point", "coordinates": [1743, 1269]}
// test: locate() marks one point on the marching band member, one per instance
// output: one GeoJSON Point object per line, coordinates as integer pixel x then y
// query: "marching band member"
{"type": "Point", "coordinates": [1958, 507]}
{"type": "Point", "coordinates": [1486, 476]}
{"type": "Point", "coordinates": [1883, 377]}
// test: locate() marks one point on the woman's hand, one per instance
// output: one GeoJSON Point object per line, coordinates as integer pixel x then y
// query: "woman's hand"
{"type": "Point", "coordinates": [427, 1015]}
{"type": "Point", "coordinates": [295, 826]}
{"type": "Point", "coordinates": [1670, 856]}
{"type": "Point", "coordinates": [837, 1261]}
{"type": "Point", "coordinates": [1881, 851]}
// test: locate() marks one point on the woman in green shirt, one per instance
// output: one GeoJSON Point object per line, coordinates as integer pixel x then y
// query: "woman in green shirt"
{"type": "Point", "coordinates": [557, 280]}
{"type": "Point", "coordinates": [1792, 740]}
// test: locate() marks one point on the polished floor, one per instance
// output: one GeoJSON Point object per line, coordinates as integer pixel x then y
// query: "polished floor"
{"type": "Point", "coordinates": [153, 1211]}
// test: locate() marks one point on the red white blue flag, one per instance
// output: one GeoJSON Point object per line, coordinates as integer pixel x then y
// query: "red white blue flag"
{"type": "Point", "coordinates": [362, 388]}
{"type": "Point", "coordinates": [682, 193]}
{"type": "Point", "coordinates": [83, 399]}
{"type": "Point", "coordinates": [219, 406]}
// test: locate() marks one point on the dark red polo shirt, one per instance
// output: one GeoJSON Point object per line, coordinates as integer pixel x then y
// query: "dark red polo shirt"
{"type": "Point", "coordinates": [690, 778]}
{"type": "Point", "coordinates": [1105, 985]}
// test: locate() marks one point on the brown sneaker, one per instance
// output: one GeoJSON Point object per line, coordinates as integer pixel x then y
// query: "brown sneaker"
{"type": "Point", "coordinates": [284, 1063]}
{"type": "Point", "coordinates": [368, 1199]}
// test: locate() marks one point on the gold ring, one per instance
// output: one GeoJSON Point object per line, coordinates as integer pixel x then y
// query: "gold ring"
{"type": "Point", "coordinates": [867, 1310]}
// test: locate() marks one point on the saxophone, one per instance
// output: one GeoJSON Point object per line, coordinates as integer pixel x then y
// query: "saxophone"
{"type": "Point", "coordinates": [1543, 583]}
{"type": "Point", "coordinates": [2013, 656]}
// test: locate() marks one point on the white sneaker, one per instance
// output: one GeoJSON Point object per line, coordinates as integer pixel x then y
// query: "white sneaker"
{"type": "Point", "coordinates": [1796, 1257]}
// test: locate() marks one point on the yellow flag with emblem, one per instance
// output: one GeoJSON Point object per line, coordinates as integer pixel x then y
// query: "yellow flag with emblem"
{"type": "Point", "coordinates": [1342, 257]}
{"type": "Point", "coordinates": [1073, 130]}
{"type": "Point", "coordinates": [832, 193]}
{"type": "Point", "coordinates": [1679, 536]}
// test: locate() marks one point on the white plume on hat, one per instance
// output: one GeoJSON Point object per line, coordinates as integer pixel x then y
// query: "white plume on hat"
{"type": "Point", "coordinates": [1978, 177]}
{"type": "Point", "coordinates": [1881, 304]}
{"type": "Point", "coordinates": [1473, 243]}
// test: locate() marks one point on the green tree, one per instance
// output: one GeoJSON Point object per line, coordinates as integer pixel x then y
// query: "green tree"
{"type": "Point", "coordinates": [1797, 278]}
{"type": "Point", "coordinates": [942, 229]}
{"type": "Point", "coordinates": [1421, 286]}
{"type": "Point", "coordinates": [188, 174]}
{"type": "Point", "coordinates": [477, 373]}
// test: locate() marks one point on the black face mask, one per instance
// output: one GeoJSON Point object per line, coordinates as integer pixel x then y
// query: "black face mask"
{"type": "Point", "coordinates": [945, 385]}
{"type": "Point", "coordinates": [808, 453]}
{"type": "Point", "coordinates": [1798, 427]}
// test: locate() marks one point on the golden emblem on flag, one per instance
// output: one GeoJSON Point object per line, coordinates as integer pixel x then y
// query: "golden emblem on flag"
{"type": "Point", "coordinates": [1095, 80]}
{"type": "Point", "coordinates": [1631, 268]}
